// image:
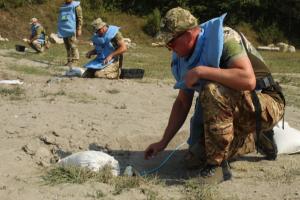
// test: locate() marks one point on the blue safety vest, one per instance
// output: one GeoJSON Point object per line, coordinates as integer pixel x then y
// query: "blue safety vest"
{"type": "Point", "coordinates": [208, 51]}
{"type": "Point", "coordinates": [41, 38]}
{"type": "Point", "coordinates": [67, 20]}
{"type": "Point", "coordinates": [103, 48]}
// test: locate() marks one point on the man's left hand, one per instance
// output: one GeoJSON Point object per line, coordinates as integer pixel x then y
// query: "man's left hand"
{"type": "Point", "coordinates": [107, 59]}
{"type": "Point", "coordinates": [192, 77]}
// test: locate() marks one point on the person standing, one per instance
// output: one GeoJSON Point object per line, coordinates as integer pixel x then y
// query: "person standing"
{"type": "Point", "coordinates": [70, 28]}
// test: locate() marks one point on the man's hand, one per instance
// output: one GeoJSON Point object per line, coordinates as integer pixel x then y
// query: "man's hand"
{"type": "Point", "coordinates": [107, 59]}
{"type": "Point", "coordinates": [192, 77]}
{"type": "Point", "coordinates": [78, 32]}
{"type": "Point", "coordinates": [153, 149]}
{"type": "Point", "coordinates": [88, 54]}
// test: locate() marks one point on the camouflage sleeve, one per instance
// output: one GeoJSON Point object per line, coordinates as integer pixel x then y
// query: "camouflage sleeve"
{"type": "Point", "coordinates": [39, 31]}
{"type": "Point", "coordinates": [79, 18]}
{"type": "Point", "coordinates": [233, 47]}
{"type": "Point", "coordinates": [117, 39]}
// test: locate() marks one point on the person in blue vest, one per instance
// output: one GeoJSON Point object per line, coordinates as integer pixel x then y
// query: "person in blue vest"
{"type": "Point", "coordinates": [239, 103]}
{"type": "Point", "coordinates": [37, 39]}
{"type": "Point", "coordinates": [108, 46]}
{"type": "Point", "coordinates": [70, 28]}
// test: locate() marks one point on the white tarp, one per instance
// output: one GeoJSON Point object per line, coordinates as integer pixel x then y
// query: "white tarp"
{"type": "Point", "coordinates": [287, 139]}
{"type": "Point", "coordinates": [93, 160]}
{"type": "Point", "coordinates": [11, 82]}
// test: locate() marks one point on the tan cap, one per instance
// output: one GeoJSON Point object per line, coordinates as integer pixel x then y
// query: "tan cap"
{"type": "Point", "coordinates": [176, 21]}
{"type": "Point", "coordinates": [97, 24]}
{"type": "Point", "coordinates": [33, 20]}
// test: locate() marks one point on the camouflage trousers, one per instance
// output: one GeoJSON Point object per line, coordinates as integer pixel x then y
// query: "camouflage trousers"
{"type": "Point", "coordinates": [112, 71]}
{"type": "Point", "coordinates": [37, 46]}
{"type": "Point", "coordinates": [71, 47]}
{"type": "Point", "coordinates": [230, 123]}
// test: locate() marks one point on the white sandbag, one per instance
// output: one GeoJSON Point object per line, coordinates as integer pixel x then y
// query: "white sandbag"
{"type": "Point", "coordinates": [287, 139]}
{"type": "Point", "coordinates": [75, 71]}
{"type": "Point", "coordinates": [93, 160]}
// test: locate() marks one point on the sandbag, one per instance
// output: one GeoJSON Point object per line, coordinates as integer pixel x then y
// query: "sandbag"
{"type": "Point", "coordinates": [93, 160]}
{"type": "Point", "coordinates": [287, 139]}
{"type": "Point", "coordinates": [74, 72]}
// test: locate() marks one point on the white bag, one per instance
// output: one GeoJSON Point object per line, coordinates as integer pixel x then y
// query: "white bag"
{"type": "Point", "coordinates": [287, 139]}
{"type": "Point", "coordinates": [93, 160]}
{"type": "Point", "coordinates": [74, 71]}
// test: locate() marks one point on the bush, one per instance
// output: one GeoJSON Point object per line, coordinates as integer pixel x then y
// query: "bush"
{"type": "Point", "coordinates": [270, 34]}
{"type": "Point", "coordinates": [152, 25]}
{"type": "Point", "coordinates": [248, 31]}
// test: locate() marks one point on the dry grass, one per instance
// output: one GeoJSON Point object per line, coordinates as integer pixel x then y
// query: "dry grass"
{"type": "Point", "coordinates": [193, 190]}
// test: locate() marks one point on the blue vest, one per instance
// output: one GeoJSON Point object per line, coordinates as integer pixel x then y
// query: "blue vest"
{"type": "Point", "coordinates": [208, 51]}
{"type": "Point", "coordinates": [103, 48]}
{"type": "Point", "coordinates": [41, 37]}
{"type": "Point", "coordinates": [67, 20]}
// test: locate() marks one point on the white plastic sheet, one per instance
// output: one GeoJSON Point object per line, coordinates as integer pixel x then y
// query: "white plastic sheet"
{"type": "Point", "coordinates": [74, 71]}
{"type": "Point", "coordinates": [287, 139]}
{"type": "Point", "coordinates": [11, 82]}
{"type": "Point", "coordinates": [93, 160]}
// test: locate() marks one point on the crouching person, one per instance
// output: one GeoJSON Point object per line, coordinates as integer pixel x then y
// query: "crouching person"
{"type": "Point", "coordinates": [109, 46]}
{"type": "Point", "coordinates": [37, 39]}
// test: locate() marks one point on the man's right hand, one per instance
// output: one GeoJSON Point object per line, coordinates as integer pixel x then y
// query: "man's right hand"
{"type": "Point", "coordinates": [154, 149]}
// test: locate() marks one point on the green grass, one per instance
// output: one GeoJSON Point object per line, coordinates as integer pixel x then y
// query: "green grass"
{"type": "Point", "coordinates": [30, 70]}
{"type": "Point", "coordinates": [75, 175]}
{"type": "Point", "coordinates": [15, 93]}
{"type": "Point", "coordinates": [283, 62]}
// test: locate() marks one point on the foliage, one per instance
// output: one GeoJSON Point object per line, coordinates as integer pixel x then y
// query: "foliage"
{"type": "Point", "coordinates": [279, 17]}
{"type": "Point", "coordinates": [152, 25]}
{"type": "Point", "coordinates": [6, 4]}
{"type": "Point", "coordinates": [270, 34]}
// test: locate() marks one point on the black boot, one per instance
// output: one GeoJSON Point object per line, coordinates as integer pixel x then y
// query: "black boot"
{"type": "Point", "coordinates": [216, 174]}
{"type": "Point", "coordinates": [267, 145]}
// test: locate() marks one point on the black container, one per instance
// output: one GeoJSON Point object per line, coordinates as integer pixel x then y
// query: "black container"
{"type": "Point", "coordinates": [132, 73]}
{"type": "Point", "coordinates": [20, 48]}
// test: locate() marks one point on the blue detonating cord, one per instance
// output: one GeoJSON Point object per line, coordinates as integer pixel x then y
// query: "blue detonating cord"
{"type": "Point", "coordinates": [147, 172]}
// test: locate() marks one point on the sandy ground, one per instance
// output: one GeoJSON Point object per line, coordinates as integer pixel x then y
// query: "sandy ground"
{"type": "Point", "coordinates": [58, 116]}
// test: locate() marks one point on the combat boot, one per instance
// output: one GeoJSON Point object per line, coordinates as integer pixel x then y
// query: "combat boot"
{"type": "Point", "coordinates": [267, 145]}
{"type": "Point", "coordinates": [195, 158]}
{"type": "Point", "coordinates": [213, 174]}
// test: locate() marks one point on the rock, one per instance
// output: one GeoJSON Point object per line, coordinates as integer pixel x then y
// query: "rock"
{"type": "Point", "coordinates": [43, 157]}
{"type": "Point", "coordinates": [29, 149]}
{"type": "Point", "coordinates": [283, 46]}
{"type": "Point", "coordinates": [271, 45]}
{"type": "Point", "coordinates": [53, 38]}
{"type": "Point", "coordinates": [129, 43]}
{"type": "Point", "coordinates": [49, 140]}
{"type": "Point", "coordinates": [4, 187]}
{"type": "Point", "coordinates": [291, 49]}
{"type": "Point", "coordinates": [127, 40]}
{"type": "Point", "coordinates": [158, 44]}
{"type": "Point", "coordinates": [25, 40]}
{"type": "Point", "coordinates": [3, 39]}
